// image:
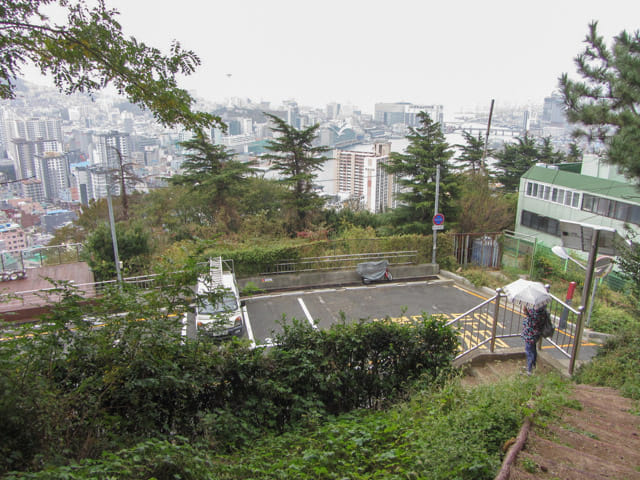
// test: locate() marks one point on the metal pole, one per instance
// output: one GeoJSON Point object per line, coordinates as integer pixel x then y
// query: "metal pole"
{"type": "Point", "coordinates": [114, 240]}
{"type": "Point", "coordinates": [586, 291]}
{"type": "Point", "coordinates": [494, 327]}
{"type": "Point", "coordinates": [576, 340]}
{"type": "Point", "coordinates": [435, 232]}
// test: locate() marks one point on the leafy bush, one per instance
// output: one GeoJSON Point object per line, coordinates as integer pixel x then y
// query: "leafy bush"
{"type": "Point", "coordinates": [251, 289]}
{"type": "Point", "coordinates": [154, 458]}
{"type": "Point", "coordinates": [90, 379]}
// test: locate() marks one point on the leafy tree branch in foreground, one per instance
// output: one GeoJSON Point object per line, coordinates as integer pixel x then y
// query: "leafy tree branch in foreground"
{"type": "Point", "coordinates": [89, 52]}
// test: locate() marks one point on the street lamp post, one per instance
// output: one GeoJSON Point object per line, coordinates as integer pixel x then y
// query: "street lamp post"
{"type": "Point", "coordinates": [112, 225]}
{"type": "Point", "coordinates": [114, 239]}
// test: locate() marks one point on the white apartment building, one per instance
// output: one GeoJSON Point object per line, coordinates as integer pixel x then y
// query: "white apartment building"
{"type": "Point", "coordinates": [54, 172]}
{"type": "Point", "coordinates": [361, 176]}
{"type": "Point", "coordinates": [110, 149]}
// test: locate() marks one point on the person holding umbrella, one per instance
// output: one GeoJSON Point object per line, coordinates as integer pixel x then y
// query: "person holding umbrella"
{"type": "Point", "coordinates": [531, 331]}
{"type": "Point", "coordinates": [534, 297]}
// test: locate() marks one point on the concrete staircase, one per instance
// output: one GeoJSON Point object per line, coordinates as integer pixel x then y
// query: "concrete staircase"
{"type": "Point", "coordinates": [489, 368]}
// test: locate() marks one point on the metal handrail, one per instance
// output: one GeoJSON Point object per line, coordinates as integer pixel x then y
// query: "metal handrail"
{"type": "Point", "coordinates": [566, 337]}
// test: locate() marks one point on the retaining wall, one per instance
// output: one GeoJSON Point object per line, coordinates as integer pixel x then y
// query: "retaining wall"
{"type": "Point", "coordinates": [334, 278]}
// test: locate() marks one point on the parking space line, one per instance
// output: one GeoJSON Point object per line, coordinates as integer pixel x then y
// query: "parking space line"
{"type": "Point", "coordinates": [306, 313]}
{"type": "Point", "coordinates": [247, 323]}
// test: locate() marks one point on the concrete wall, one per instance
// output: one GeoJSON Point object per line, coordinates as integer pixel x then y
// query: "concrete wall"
{"type": "Point", "coordinates": [334, 278]}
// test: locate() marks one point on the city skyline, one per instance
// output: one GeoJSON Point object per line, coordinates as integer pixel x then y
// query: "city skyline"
{"type": "Point", "coordinates": [461, 54]}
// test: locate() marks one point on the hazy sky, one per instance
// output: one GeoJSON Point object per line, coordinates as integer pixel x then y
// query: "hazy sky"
{"type": "Point", "coordinates": [457, 53]}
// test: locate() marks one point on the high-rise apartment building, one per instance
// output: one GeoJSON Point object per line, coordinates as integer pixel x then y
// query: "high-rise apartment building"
{"type": "Point", "coordinates": [25, 151]}
{"type": "Point", "coordinates": [110, 151]}
{"type": "Point", "coordinates": [362, 176]}
{"type": "Point", "coordinates": [54, 172]}
{"type": "Point", "coordinates": [44, 129]}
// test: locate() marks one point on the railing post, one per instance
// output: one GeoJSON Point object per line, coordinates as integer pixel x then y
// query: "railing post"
{"type": "Point", "coordinates": [494, 326]}
{"type": "Point", "coordinates": [577, 338]}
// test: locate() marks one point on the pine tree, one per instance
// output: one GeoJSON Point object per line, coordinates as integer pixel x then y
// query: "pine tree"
{"type": "Point", "coordinates": [605, 105]}
{"type": "Point", "coordinates": [514, 160]}
{"type": "Point", "coordinates": [472, 152]}
{"type": "Point", "coordinates": [211, 172]}
{"type": "Point", "coordinates": [297, 161]}
{"type": "Point", "coordinates": [415, 172]}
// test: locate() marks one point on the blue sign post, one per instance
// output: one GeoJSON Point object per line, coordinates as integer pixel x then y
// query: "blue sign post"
{"type": "Point", "coordinates": [438, 221]}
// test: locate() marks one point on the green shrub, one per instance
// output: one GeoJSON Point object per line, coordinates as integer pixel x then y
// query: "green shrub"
{"type": "Point", "coordinates": [154, 458]}
{"type": "Point", "coordinates": [251, 289]}
{"type": "Point", "coordinates": [71, 391]}
{"type": "Point", "coordinates": [616, 363]}
{"type": "Point", "coordinates": [610, 319]}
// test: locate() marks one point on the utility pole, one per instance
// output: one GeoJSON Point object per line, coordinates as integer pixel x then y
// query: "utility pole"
{"type": "Point", "coordinates": [436, 207]}
{"type": "Point", "coordinates": [486, 140]}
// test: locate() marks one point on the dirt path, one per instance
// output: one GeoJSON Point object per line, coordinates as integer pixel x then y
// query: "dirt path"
{"type": "Point", "coordinates": [599, 441]}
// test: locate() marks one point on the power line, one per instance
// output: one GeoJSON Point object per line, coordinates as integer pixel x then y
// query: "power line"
{"type": "Point", "coordinates": [16, 181]}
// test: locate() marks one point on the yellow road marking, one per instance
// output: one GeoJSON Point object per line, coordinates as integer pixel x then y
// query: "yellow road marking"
{"type": "Point", "coordinates": [470, 292]}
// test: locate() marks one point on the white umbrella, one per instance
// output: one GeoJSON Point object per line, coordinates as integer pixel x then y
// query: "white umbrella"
{"type": "Point", "coordinates": [526, 292]}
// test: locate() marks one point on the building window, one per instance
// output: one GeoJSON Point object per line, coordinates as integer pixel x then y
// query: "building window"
{"type": "Point", "coordinates": [552, 194]}
{"type": "Point", "coordinates": [540, 223]}
{"type": "Point", "coordinates": [625, 212]}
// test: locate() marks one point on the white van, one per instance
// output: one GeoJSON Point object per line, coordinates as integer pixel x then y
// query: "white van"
{"type": "Point", "coordinates": [220, 315]}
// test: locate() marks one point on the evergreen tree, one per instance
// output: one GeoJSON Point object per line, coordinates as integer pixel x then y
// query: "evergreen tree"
{"type": "Point", "coordinates": [297, 161]}
{"type": "Point", "coordinates": [134, 248]}
{"type": "Point", "coordinates": [91, 52]}
{"type": "Point", "coordinates": [575, 153]}
{"type": "Point", "coordinates": [211, 172]}
{"type": "Point", "coordinates": [547, 154]}
{"type": "Point", "coordinates": [514, 160]}
{"type": "Point", "coordinates": [605, 105]}
{"type": "Point", "coordinates": [415, 173]}
{"type": "Point", "coordinates": [472, 152]}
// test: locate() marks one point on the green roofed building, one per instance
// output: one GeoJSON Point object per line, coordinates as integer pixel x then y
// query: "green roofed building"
{"type": "Point", "coordinates": [598, 195]}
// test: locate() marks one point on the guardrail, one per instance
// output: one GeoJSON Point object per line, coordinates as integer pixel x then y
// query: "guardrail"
{"type": "Point", "coordinates": [41, 297]}
{"type": "Point", "coordinates": [340, 262]}
{"type": "Point", "coordinates": [496, 318]}
{"type": "Point", "coordinates": [40, 256]}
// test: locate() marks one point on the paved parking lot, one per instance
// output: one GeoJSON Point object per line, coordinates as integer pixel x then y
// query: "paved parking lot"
{"type": "Point", "coordinates": [265, 314]}
{"type": "Point", "coordinates": [379, 300]}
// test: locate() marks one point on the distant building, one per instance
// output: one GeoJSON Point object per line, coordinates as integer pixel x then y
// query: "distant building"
{"type": "Point", "coordinates": [12, 237]}
{"type": "Point", "coordinates": [554, 110]}
{"type": "Point", "coordinates": [25, 151]}
{"type": "Point", "coordinates": [111, 149]}
{"type": "Point", "coordinates": [406, 113]}
{"type": "Point", "coordinates": [57, 218]}
{"type": "Point", "coordinates": [33, 190]}
{"type": "Point", "coordinates": [44, 129]}
{"type": "Point", "coordinates": [361, 176]}
{"type": "Point", "coordinates": [54, 172]}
